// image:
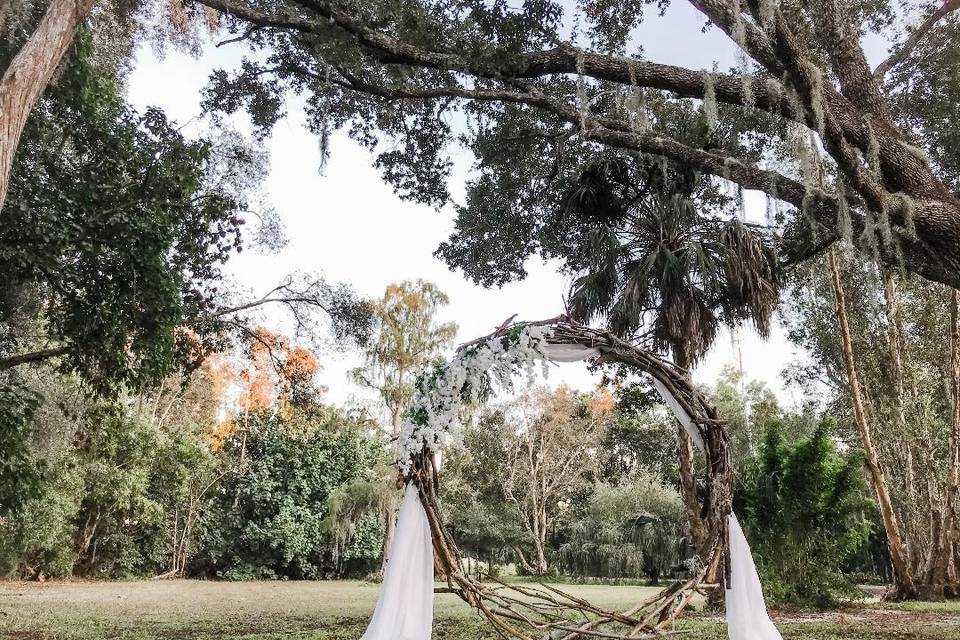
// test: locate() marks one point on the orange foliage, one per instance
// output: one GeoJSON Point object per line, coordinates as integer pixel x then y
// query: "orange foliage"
{"type": "Point", "coordinates": [220, 375]}
{"type": "Point", "coordinates": [601, 404]}
{"type": "Point", "coordinates": [272, 373]}
{"type": "Point", "coordinates": [257, 378]}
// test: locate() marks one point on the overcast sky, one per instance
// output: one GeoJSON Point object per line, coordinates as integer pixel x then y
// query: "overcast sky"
{"type": "Point", "coordinates": [350, 226]}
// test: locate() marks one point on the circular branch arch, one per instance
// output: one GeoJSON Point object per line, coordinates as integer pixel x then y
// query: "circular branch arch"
{"type": "Point", "coordinates": [529, 612]}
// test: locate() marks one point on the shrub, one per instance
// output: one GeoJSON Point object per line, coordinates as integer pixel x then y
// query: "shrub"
{"type": "Point", "coordinates": [805, 513]}
{"type": "Point", "coordinates": [267, 521]}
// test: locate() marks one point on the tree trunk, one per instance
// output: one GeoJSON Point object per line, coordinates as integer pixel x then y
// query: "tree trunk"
{"type": "Point", "coordinates": [522, 558]}
{"type": "Point", "coordinates": [943, 571]}
{"type": "Point", "coordinates": [699, 532]}
{"type": "Point", "coordinates": [699, 535]}
{"type": "Point", "coordinates": [953, 486]}
{"type": "Point", "coordinates": [389, 526]}
{"type": "Point", "coordinates": [28, 75]}
{"type": "Point", "coordinates": [902, 575]}
{"type": "Point", "coordinates": [896, 346]}
{"type": "Point", "coordinates": [542, 546]}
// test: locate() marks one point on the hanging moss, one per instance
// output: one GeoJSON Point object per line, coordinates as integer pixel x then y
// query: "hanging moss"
{"type": "Point", "coordinates": [883, 224]}
{"type": "Point", "coordinates": [844, 222]}
{"type": "Point", "coordinates": [805, 157]}
{"type": "Point", "coordinates": [710, 101]}
{"type": "Point", "coordinates": [793, 98]}
{"type": "Point", "coordinates": [664, 165]}
{"type": "Point", "coordinates": [907, 209]}
{"type": "Point", "coordinates": [768, 12]}
{"type": "Point", "coordinates": [638, 116]}
{"type": "Point", "coordinates": [917, 152]}
{"type": "Point", "coordinates": [727, 164]}
{"type": "Point", "coordinates": [768, 214]}
{"type": "Point", "coordinates": [868, 239]}
{"type": "Point", "coordinates": [773, 195]}
{"type": "Point", "coordinates": [816, 96]}
{"type": "Point", "coordinates": [901, 260]}
{"type": "Point", "coordinates": [810, 219]}
{"type": "Point", "coordinates": [773, 88]}
{"type": "Point", "coordinates": [746, 78]}
{"type": "Point", "coordinates": [739, 31]}
{"type": "Point", "coordinates": [644, 121]}
{"type": "Point", "coordinates": [581, 93]}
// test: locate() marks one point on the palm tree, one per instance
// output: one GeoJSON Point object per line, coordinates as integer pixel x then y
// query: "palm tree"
{"type": "Point", "coordinates": [659, 269]}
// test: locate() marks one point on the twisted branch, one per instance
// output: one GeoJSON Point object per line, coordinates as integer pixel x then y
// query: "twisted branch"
{"type": "Point", "coordinates": [527, 612]}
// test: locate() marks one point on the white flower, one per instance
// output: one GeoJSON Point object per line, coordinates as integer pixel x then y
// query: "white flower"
{"type": "Point", "coordinates": [457, 388]}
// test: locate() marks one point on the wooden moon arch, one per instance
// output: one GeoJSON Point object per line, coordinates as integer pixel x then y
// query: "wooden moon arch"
{"type": "Point", "coordinates": [542, 612]}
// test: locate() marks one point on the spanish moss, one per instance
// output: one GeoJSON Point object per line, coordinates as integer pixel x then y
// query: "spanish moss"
{"type": "Point", "coordinates": [710, 101]}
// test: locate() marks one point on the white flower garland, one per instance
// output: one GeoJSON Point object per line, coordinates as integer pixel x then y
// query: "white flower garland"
{"type": "Point", "coordinates": [444, 395]}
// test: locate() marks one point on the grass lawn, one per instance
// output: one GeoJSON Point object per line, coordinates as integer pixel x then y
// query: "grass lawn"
{"type": "Point", "coordinates": [195, 610]}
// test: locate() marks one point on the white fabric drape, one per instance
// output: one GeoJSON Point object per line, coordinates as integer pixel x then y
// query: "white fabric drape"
{"type": "Point", "coordinates": [747, 617]}
{"type": "Point", "coordinates": [569, 352]}
{"type": "Point", "coordinates": [405, 606]}
{"type": "Point", "coordinates": [680, 414]}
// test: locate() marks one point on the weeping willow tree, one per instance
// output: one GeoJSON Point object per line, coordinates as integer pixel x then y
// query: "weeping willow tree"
{"type": "Point", "coordinates": [372, 496]}
{"type": "Point", "coordinates": [539, 91]}
{"type": "Point", "coordinates": [628, 530]}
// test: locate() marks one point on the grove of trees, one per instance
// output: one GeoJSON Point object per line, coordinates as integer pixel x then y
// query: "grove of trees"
{"type": "Point", "coordinates": [152, 425]}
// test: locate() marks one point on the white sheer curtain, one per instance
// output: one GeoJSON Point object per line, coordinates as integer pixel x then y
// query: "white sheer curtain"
{"type": "Point", "coordinates": [747, 617]}
{"type": "Point", "coordinates": [680, 414]}
{"type": "Point", "coordinates": [405, 606]}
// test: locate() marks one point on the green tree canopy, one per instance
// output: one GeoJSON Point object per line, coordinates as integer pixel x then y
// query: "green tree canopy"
{"type": "Point", "coordinates": [545, 88]}
{"type": "Point", "coordinates": [805, 511]}
{"type": "Point", "coordinates": [115, 232]}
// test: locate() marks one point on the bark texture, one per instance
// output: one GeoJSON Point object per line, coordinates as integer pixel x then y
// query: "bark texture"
{"type": "Point", "coordinates": [902, 574]}
{"type": "Point", "coordinates": [28, 75]}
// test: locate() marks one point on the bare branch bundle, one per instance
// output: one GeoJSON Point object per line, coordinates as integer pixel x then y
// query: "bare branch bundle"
{"type": "Point", "coordinates": [528, 612]}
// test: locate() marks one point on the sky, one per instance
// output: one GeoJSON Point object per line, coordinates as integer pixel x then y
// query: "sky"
{"type": "Point", "coordinates": [347, 224]}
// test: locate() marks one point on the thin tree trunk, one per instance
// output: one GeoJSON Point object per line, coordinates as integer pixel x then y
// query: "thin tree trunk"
{"type": "Point", "coordinates": [902, 576]}
{"type": "Point", "coordinates": [541, 541]}
{"type": "Point", "coordinates": [699, 532]}
{"type": "Point", "coordinates": [688, 488]}
{"type": "Point", "coordinates": [28, 75]}
{"type": "Point", "coordinates": [943, 569]}
{"type": "Point", "coordinates": [953, 488]}
{"type": "Point", "coordinates": [896, 346]}
{"type": "Point", "coordinates": [523, 561]}
{"type": "Point", "coordinates": [388, 530]}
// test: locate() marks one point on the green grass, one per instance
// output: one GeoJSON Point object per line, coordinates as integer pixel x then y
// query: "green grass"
{"type": "Point", "coordinates": [196, 610]}
{"type": "Point", "coordinates": [946, 606]}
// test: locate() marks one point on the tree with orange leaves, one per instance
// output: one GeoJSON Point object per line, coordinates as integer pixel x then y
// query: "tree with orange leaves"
{"type": "Point", "coordinates": [273, 372]}
{"type": "Point", "coordinates": [406, 339]}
